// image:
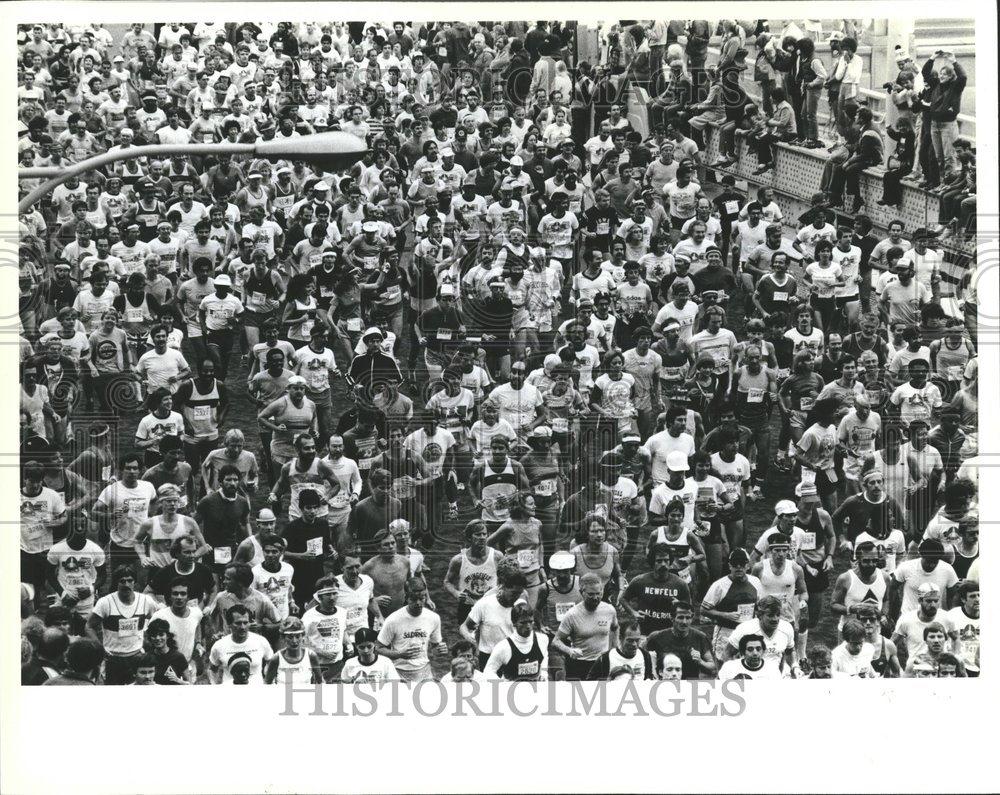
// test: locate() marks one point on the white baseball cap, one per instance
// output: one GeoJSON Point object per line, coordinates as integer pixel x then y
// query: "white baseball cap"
{"type": "Point", "coordinates": [677, 461]}
{"type": "Point", "coordinates": [222, 281]}
{"type": "Point", "coordinates": [785, 507]}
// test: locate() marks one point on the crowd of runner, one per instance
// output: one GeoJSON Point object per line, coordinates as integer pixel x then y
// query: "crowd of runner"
{"type": "Point", "coordinates": [668, 429]}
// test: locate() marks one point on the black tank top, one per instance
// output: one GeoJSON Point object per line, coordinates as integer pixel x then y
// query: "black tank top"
{"type": "Point", "coordinates": [962, 563]}
{"type": "Point", "coordinates": [523, 666]}
{"type": "Point", "coordinates": [880, 664]}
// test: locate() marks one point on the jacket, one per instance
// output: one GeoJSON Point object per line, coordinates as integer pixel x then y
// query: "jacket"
{"type": "Point", "coordinates": [945, 101]}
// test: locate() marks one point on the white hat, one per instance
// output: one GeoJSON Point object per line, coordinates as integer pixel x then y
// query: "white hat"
{"type": "Point", "coordinates": [321, 186]}
{"type": "Point", "coordinates": [373, 331]}
{"type": "Point", "coordinates": [296, 380]}
{"type": "Point", "coordinates": [446, 289]}
{"type": "Point", "coordinates": [561, 561]}
{"type": "Point", "coordinates": [369, 226]}
{"type": "Point", "coordinates": [516, 161]}
{"type": "Point", "coordinates": [222, 281]}
{"type": "Point", "coordinates": [785, 507]}
{"type": "Point", "coordinates": [446, 152]}
{"type": "Point", "coordinates": [266, 515]}
{"type": "Point", "coordinates": [677, 461]}
{"type": "Point", "coordinates": [928, 589]}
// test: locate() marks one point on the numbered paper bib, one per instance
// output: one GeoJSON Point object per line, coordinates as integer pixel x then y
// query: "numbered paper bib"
{"type": "Point", "coordinates": [106, 473]}
{"type": "Point", "coordinates": [808, 542]}
{"type": "Point", "coordinates": [392, 294]}
{"type": "Point", "coordinates": [808, 476]}
{"type": "Point", "coordinates": [560, 424]}
{"type": "Point", "coordinates": [546, 488]}
{"type": "Point", "coordinates": [370, 263]}
{"type": "Point", "coordinates": [603, 227]}
{"type": "Point", "coordinates": [222, 555]}
{"type": "Point", "coordinates": [562, 608]}
{"type": "Point", "coordinates": [258, 299]}
{"type": "Point", "coordinates": [732, 208]}
{"type": "Point", "coordinates": [326, 292]}
{"type": "Point", "coordinates": [128, 627]}
{"type": "Point", "coordinates": [314, 546]}
{"type": "Point", "coordinates": [806, 403]}
{"type": "Point", "coordinates": [527, 558]}
{"type": "Point", "coordinates": [354, 324]}
{"type": "Point", "coordinates": [202, 413]}
{"type": "Point", "coordinates": [955, 372]}
{"type": "Point", "coordinates": [339, 501]}
{"type": "Point", "coordinates": [527, 669]}
{"type": "Point", "coordinates": [755, 396]}
{"type": "Point", "coordinates": [133, 315]}
{"type": "Point", "coordinates": [780, 296]}
{"type": "Point", "coordinates": [444, 333]}
{"type": "Point", "coordinates": [745, 611]}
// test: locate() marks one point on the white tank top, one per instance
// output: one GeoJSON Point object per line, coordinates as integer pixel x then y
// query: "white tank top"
{"type": "Point", "coordinates": [310, 479]}
{"type": "Point", "coordinates": [478, 579]}
{"type": "Point", "coordinates": [636, 665]}
{"type": "Point", "coordinates": [497, 484]}
{"type": "Point", "coordinates": [897, 478]}
{"type": "Point", "coordinates": [160, 541]}
{"type": "Point", "coordinates": [355, 602]}
{"type": "Point", "coordinates": [781, 586]}
{"type": "Point", "coordinates": [258, 552]}
{"type": "Point", "coordinates": [858, 592]}
{"type": "Point", "coordinates": [681, 541]}
{"type": "Point", "coordinates": [301, 671]}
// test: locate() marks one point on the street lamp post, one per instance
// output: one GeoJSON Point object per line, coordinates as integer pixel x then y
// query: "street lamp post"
{"type": "Point", "coordinates": [330, 151]}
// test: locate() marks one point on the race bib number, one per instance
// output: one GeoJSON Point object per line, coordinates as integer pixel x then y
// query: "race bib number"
{"type": "Point", "coordinates": [806, 403]}
{"type": "Point", "coordinates": [546, 488]}
{"type": "Point", "coordinates": [128, 627]}
{"type": "Point", "coordinates": [955, 372]}
{"type": "Point", "coordinates": [370, 263]}
{"type": "Point", "coordinates": [326, 292]}
{"type": "Point", "coordinates": [339, 501]}
{"type": "Point", "coordinates": [562, 608]}
{"type": "Point", "coordinates": [133, 315]}
{"type": "Point", "coordinates": [392, 294]}
{"type": "Point", "coordinates": [755, 396]}
{"type": "Point", "coordinates": [444, 333]}
{"type": "Point", "coordinates": [354, 324]}
{"type": "Point", "coordinates": [780, 296]}
{"type": "Point", "coordinates": [527, 558]}
{"type": "Point", "coordinates": [106, 473]}
{"type": "Point", "coordinates": [527, 669]}
{"type": "Point", "coordinates": [808, 542]}
{"type": "Point", "coordinates": [603, 227]}
{"type": "Point", "coordinates": [783, 372]}
{"type": "Point", "coordinates": [314, 546]}
{"type": "Point", "coordinates": [745, 611]}
{"type": "Point", "coordinates": [222, 555]}
{"type": "Point", "coordinates": [808, 477]}
{"type": "Point", "coordinates": [202, 413]}
{"type": "Point", "coordinates": [732, 208]}
{"type": "Point", "coordinates": [258, 299]}
{"type": "Point", "coordinates": [560, 424]}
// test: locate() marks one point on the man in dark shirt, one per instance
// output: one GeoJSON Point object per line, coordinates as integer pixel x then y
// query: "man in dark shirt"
{"type": "Point", "coordinates": [225, 516]}
{"type": "Point", "coordinates": [47, 659]}
{"type": "Point", "coordinates": [691, 645]}
{"type": "Point", "coordinates": [652, 595]}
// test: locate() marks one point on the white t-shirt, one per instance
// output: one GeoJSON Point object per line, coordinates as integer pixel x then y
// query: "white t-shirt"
{"type": "Point", "coordinates": [912, 627]}
{"type": "Point", "coordinates": [156, 368]}
{"type": "Point", "coordinates": [517, 406]}
{"type": "Point", "coordinates": [77, 568]}
{"type": "Point", "coordinates": [133, 503]}
{"type": "Point", "coordinates": [660, 445]}
{"type": "Point", "coordinates": [733, 474]}
{"type": "Point", "coordinates": [911, 573]}
{"type": "Point", "coordinates": [381, 670]}
{"type": "Point", "coordinates": [736, 669]}
{"type": "Point", "coordinates": [846, 664]}
{"type": "Point", "coordinates": [219, 311]}
{"type": "Point", "coordinates": [354, 602]}
{"type": "Point", "coordinates": [774, 646]}
{"type": "Point", "coordinates": [325, 634]}
{"type": "Point", "coordinates": [255, 648]}
{"type": "Point", "coordinates": [184, 629]}
{"type": "Point", "coordinates": [123, 624]}
{"type": "Point", "coordinates": [968, 637]}
{"type": "Point", "coordinates": [492, 619]}
{"type": "Point", "coordinates": [38, 514]}
{"type": "Point", "coordinates": [314, 367]}
{"type": "Point", "coordinates": [403, 631]}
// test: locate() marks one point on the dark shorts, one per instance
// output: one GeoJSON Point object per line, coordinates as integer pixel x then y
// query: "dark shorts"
{"type": "Point", "coordinates": [825, 486]}
{"type": "Point", "coordinates": [257, 319]}
{"type": "Point", "coordinates": [844, 300]}
{"type": "Point", "coordinates": [816, 584]}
